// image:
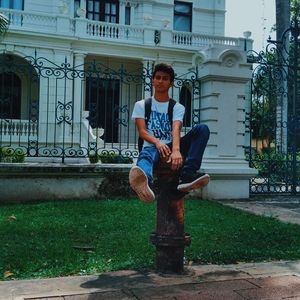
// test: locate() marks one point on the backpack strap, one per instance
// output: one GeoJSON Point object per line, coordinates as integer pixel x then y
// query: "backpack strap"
{"type": "Point", "coordinates": [148, 104]}
{"type": "Point", "coordinates": [171, 105]}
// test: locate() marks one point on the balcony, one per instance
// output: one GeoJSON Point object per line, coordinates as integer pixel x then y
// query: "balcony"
{"type": "Point", "coordinates": [64, 26]}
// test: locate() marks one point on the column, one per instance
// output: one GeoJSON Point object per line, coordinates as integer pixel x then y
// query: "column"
{"type": "Point", "coordinates": [122, 12]}
{"type": "Point", "coordinates": [78, 86]}
{"type": "Point", "coordinates": [80, 25]}
{"type": "Point", "coordinates": [224, 76]}
{"type": "Point", "coordinates": [80, 123]}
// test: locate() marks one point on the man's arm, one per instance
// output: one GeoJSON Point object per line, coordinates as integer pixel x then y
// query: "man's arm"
{"type": "Point", "coordinates": [176, 158]}
{"type": "Point", "coordinates": [163, 149]}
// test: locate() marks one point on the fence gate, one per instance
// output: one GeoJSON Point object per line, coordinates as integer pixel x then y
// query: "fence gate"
{"type": "Point", "coordinates": [274, 119]}
{"type": "Point", "coordinates": [65, 111]}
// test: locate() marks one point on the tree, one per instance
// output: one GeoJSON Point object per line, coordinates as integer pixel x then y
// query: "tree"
{"type": "Point", "coordinates": [295, 9]}
{"type": "Point", "coordinates": [283, 8]}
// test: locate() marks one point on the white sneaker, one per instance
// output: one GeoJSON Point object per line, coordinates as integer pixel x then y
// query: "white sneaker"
{"type": "Point", "coordinates": [139, 183]}
{"type": "Point", "coordinates": [192, 181]}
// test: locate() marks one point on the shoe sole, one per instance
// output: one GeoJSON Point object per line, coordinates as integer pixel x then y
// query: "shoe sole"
{"type": "Point", "coordinates": [139, 183]}
{"type": "Point", "coordinates": [196, 184]}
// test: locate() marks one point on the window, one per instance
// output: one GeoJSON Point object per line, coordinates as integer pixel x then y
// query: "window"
{"type": "Point", "coordinates": [127, 14]}
{"type": "Point", "coordinates": [13, 4]}
{"type": "Point", "coordinates": [102, 102]}
{"type": "Point", "coordinates": [182, 16]}
{"type": "Point", "coordinates": [103, 10]}
{"type": "Point", "coordinates": [10, 96]}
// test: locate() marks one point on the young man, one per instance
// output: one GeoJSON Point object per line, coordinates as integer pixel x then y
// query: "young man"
{"type": "Point", "coordinates": [162, 140]}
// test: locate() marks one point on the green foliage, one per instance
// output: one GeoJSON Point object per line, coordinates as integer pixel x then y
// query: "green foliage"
{"type": "Point", "coordinates": [263, 119]}
{"type": "Point", "coordinates": [85, 237]}
{"type": "Point", "coordinates": [274, 165]}
{"type": "Point", "coordinates": [11, 155]}
{"type": "Point", "coordinates": [94, 158]}
{"type": "Point", "coordinates": [295, 9]}
{"type": "Point", "coordinates": [110, 158]}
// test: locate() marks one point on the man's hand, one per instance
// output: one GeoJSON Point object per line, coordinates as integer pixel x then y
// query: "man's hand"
{"type": "Point", "coordinates": [176, 160]}
{"type": "Point", "coordinates": [164, 150]}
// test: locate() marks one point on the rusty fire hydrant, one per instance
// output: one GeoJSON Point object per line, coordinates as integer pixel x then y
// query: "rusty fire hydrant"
{"type": "Point", "coordinates": [169, 237]}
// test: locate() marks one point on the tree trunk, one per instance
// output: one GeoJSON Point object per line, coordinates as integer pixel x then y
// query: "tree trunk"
{"type": "Point", "coordinates": [282, 24]}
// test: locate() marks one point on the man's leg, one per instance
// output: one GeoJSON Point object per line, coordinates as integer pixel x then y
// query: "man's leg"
{"type": "Point", "coordinates": [192, 147]}
{"type": "Point", "coordinates": [141, 176]}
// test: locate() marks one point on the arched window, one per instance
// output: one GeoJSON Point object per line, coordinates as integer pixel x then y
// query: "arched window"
{"type": "Point", "coordinates": [10, 96]}
{"type": "Point", "coordinates": [185, 98]}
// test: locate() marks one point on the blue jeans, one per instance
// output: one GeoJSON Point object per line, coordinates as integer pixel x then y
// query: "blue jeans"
{"type": "Point", "coordinates": [192, 147]}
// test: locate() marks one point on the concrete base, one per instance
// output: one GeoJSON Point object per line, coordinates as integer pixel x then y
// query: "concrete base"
{"type": "Point", "coordinates": [226, 182]}
{"type": "Point", "coordinates": [49, 181]}
{"type": "Point", "coordinates": [53, 181]}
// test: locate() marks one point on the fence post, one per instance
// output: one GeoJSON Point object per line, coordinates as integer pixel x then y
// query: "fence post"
{"type": "Point", "coordinates": [169, 237]}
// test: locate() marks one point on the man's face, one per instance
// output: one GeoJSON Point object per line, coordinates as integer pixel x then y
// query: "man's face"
{"type": "Point", "coordinates": [161, 82]}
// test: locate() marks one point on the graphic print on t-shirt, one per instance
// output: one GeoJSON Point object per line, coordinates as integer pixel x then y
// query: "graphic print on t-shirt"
{"type": "Point", "coordinates": [160, 125]}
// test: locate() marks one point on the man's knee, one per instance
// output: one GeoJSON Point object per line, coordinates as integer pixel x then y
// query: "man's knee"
{"type": "Point", "coordinates": [203, 130]}
{"type": "Point", "coordinates": [148, 155]}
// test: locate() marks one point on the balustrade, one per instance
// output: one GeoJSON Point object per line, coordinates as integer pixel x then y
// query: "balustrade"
{"type": "Point", "coordinates": [18, 128]}
{"type": "Point", "coordinates": [85, 28]}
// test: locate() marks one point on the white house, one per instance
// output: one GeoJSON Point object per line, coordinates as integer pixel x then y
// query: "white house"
{"type": "Point", "coordinates": [72, 69]}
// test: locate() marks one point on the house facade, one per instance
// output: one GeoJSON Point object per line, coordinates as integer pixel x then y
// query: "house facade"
{"type": "Point", "coordinates": [71, 71]}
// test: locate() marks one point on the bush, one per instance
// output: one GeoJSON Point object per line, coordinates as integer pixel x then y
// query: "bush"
{"type": "Point", "coordinates": [112, 158]}
{"type": "Point", "coordinates": [274, 165]}
{"type": "Point", "coordinates": [94, 158]}
{"type": "Point", "coordinates": [11, 155]}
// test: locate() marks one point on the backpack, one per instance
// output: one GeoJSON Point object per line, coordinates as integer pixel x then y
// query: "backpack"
{"type": "Point", "coordinates": [148, 103]}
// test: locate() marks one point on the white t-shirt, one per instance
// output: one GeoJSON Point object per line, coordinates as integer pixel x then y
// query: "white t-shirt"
{"type": "Point", "coordinates": [158, 125]}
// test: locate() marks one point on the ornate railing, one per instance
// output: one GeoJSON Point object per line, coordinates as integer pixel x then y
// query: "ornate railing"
{"type": "Point", "coordinates": [274, 117]}
{"type": "Point", "coordinates": [88, 29]}
{"type": "Point", "coordinates": [40, 22]}
{"type": "Point", "coordinates": [72, 111]}
{"type": "Point", "coordinates": [114, 31]}
{"type": "Point", "coordinates": [20, 128]}
{"type": "Point", "coordinates": [199, 40]}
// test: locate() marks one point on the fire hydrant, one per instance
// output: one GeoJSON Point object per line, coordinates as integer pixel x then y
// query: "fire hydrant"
{"type": "Point", "coordinates": [169, 237]}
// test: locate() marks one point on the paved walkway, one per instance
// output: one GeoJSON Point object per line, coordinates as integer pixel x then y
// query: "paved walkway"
{"type": "Point", "coordinates": [276, 280]}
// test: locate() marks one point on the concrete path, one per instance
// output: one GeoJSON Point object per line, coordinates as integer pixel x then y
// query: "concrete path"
{"type": "Point", "coordinates": [275, 280]}
{"type": "Point", "coordinates": [284, 208]}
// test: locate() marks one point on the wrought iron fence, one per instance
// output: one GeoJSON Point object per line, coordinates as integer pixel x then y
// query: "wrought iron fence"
{"type": "Point", "coordinates": [75, 111]}
{"type": "Point", "coordinates": [274, 119]}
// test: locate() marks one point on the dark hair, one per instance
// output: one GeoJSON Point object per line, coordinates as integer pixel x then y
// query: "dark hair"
{"type": "Point", "coordinates": [162, 67]}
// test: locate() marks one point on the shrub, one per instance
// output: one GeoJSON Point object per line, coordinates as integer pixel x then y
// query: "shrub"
{"type": "Point", "coordinates": [11, 155]}
{"type": "Point", "coordinates": [112, 158]}
{"type": "Point", "coordinates": [94, 158]}
{"type": "Point", "coordinates": [274, 165]}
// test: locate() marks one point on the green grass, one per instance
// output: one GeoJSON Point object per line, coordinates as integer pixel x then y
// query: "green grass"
{"type": "Point", "coordinates": [83, 237]}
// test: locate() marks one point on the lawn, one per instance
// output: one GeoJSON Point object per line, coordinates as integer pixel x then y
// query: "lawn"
{"type": "Point", "coordinates": [84, 237]}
